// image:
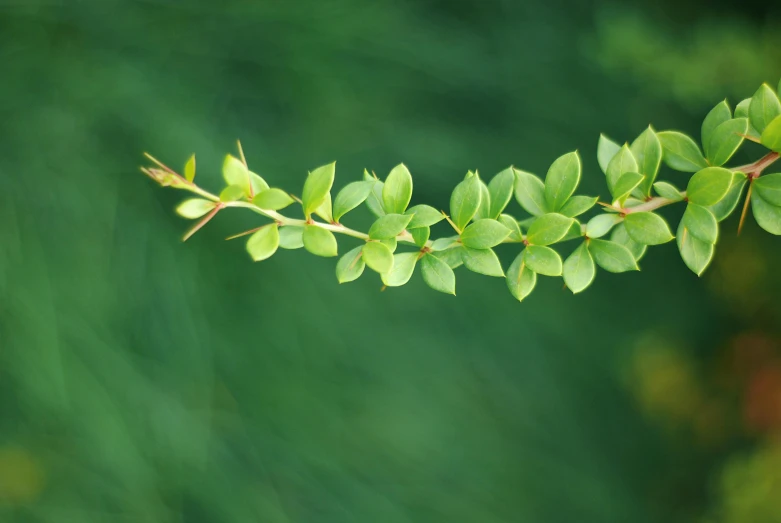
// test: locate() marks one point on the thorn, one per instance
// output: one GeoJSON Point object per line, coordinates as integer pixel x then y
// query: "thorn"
{"type": "Point", "coordinates": [201, 223]}
{"type": "Point", "coordinates": [244, 233]}
{"type": "Point", "coordinates": [745, 207]}
{"type": "Point", "coordinates": [750, 138]}
{"type": "Point", "coordinates": [241, 154]}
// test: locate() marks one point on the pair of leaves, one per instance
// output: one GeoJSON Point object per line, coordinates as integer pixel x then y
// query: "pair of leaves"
{"type": "Point", "coordinates": [722, 135]}
{"type": "Point", "coordinates": [681, 153]}
{"type": "Point", "coordinates": [563, 177]}
{"type": "Point", "coordinates": [642, 157]}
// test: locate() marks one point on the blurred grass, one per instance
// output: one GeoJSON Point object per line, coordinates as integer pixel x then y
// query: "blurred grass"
{"type": "Point", "coordinates": [147, 380]}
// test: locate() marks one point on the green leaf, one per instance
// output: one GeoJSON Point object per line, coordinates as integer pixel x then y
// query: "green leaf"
{"type": "Point", "coordinates": [189, 169]}
{"type": "Point", "coordinates": [420, 235]}
{"type": "Point", "coordinates": [726, 140]}
{"type": "Point", "coordinates": [577, 205]}
{"type": "Point", "coordinates": [274, 199]}
{"type": "Point", "coordinates": [729, 203]}
{"type": "Point", "coordinates": [232, 193]}
{"type": "Point", "coordinates": [374, 200]}
{"type": "Point", "coordinates": [768, 187]}
{"type": "Point", "coordinates": [575, 231]}
{"type": "Point", "coordinates": [681, 152]}
{"type": "Point", "coordinates": [530, 193]}
{"type": "Point", "coordinates": [423, 216]}
{"type": "Point", "coordinates": [562, 180]}
{"type": "Point", "coordinates": [548, 229]}
{"type": "Point", "coordinates": [612, 256]}
{"type": "Point", "coordinates": [324, 209]}
{"type": "Point", "coordinates": [291, 237]}
{"type": "Point", "coordinates": [194, 208]}
{"type": "Point", "coordinates": [625, 185]}
{"type": "Point", "coordinates": [484, 234]}
{"type": "Point", "coordinates": [351, 196]}
{"type": "Point", "coordinates": [442, 244]}
{"type": "Point", "coordinates": [350, 266]}
{"type": "Point", "coordinates": [647, 150]}
{"type": "Point", "coordinates": [601, 224]}
{"type": "Point", "coordinates": [500, 189]}
{"type": "Point", "coordinates": [403, 267]}
{"type": "Point", "coordinates": [258, 183]}
{"type": "Point", "coordinates": [319, 241]}
{"type": "Point", "coordinates": [453, 256]}
{"type": "Point", "coordinates": [511, 223]}
{"type": "Point", "coordinates": [543, 260]}
{"type": "Point", "coordinates": [465, 201]}
{"type": "Point", "coordinates": [389, 226]}
{"type": "Point", "coordinates": [317, 186]}
{"type": "Point", "coordinates": [397, 192]}
{"type": "Point", "coordinates": [606, 150]}
{"type": "Point", "coordinates": [621, 237]}
{"type": "Point", "coordinates": [520, 279]}
{"type": "Point", "coordinates": [623, 162]}
{"type": "Point", "coordinates": [438, 275]}
{"type": "Point", "coordinates": [709, 185]}
{"type": "Point", "coordinates": [767, 216]}
{"type": "Point", "coordinates": [390, 243]}
{"type": "Point", "coordinates": [696, 254]}
{"type": "Point", "coordinates": [741, 110]}
{"type": "Point", "coordinates": [771, 136]}
{"type": "Point", "coordinates": [765, 107]}
{"type": "Point", "coordinates": [263, 244]}
{"type": "Point", "coordinates": [378, 257]}
{"type": "Point", "coordinates": [647, 228]}
{"type": "Point", "coordinates": [235, 172]}
{"type": "Point", "coordinates": [579, 269]}
{"type": "Point", "coordinates": [717, 116]}
{"type": "Point", "coordinates": [669, 191]}
{"type": "Point", "coordinates": [484, 211]}
{"type": "Point", "coordinates": [482, 261]}
{"type": "Point", "coordinates": [701, 223]}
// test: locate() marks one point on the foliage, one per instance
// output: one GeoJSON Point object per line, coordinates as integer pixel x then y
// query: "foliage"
{"type": "Point", "coordinates": [477, 210]}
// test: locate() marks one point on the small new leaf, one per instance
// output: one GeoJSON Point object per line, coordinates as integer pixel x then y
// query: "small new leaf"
{"type": "Point", "coordinates": [420, 235]}
{"type": "Point", "coordinates": [274, 199]}
{"type": "Point", "coordinates": [579, 269]}
{"type": "Point", "coordinates": [501, 189]}
{"type": "Point", "coordinates": [235, 172]}
{"type": "Point", "coordinates": [350, 266]}
{"type": "Point", "coordinates": [520, 279]}
{"type": "Point", "coordinates": [701, 223]}
{"type": "Point", "coordinates": [317, 186]}
{"type": "Point", "coordinates": [511, 223]}
{"type": "Point", "coordinates": [626, 183]}
{"type": "Point", "coordinates": [484, 211]}
{"type": "Point", "coordinates": [397, 192]}
{"type": "Point", "coordinates": [681, 152]}
{"type": "Point", "coordinates": [194, 208]}
{"type": "Point", "coordinates": [319, 241]}
{"type": "Point", "coordinates": [623, 162]}
{"type": "Point", "coordinates": [465, 201]}
{"type": "Point", "coordinates": [548, 229]}
{"type": "Point", "coordinates": [374, 200]}
{"type": "Point", "coordinates": [482, 261]}
{"type": "Point", "coordinates": [647, 150]}
{"type": "Point", "coordinates": [438, 275]}
{"type": "Point", "coordinates": [765, 107]}
{"type": "Point", "coordinates": [611, 256]}
{"type": "Point", "coordinates": [726, 140]}
{"type": "Point", "coordinates": [389, 226]}
{"type": "Point", "coordinates": [401, 272]}
{"type": "Point", "coordinates": [577, 205]}
{"type": "Point", "coordinates": [530, 193]}
{"type": "Point", "coordinates": [696, 253]}
{"type": "Point", "coordinates": [601, 224]}
{"type": "Point", "coordinates": [189, 169]}
{"type": "Point", "coordinates": [378, 257]}
{"type": "Point", "coordinates": [264, 243]}
{"type": "Point", "coordinates": [647, 228]}
{"type": "Point", "coordinates": [606, 150]}
{"type": "Point", "coordinates": [351, 196]}
{"type": "Point", "coordinates": [543, 260]}
{"type": "Point", "coordinates": [484, 234]}
{"type": "Point", "coordinates": [562, 180]}
{"type": "Point", "coordinates": [423, 216]}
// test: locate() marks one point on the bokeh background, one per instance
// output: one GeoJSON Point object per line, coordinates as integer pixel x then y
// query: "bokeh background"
{"type": "Point", "coordinates": [146, 380]}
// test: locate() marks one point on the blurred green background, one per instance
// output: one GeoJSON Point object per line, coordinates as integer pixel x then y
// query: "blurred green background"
{"type": "Point", "coordinates": [146, 380]}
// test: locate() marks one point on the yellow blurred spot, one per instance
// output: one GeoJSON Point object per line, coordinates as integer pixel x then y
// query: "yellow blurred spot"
{"type": "Point", "coordinates": [21, 478]}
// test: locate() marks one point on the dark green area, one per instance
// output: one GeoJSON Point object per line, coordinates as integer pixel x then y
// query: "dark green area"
{"type": "Point", "coordinates": [146, 380]}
